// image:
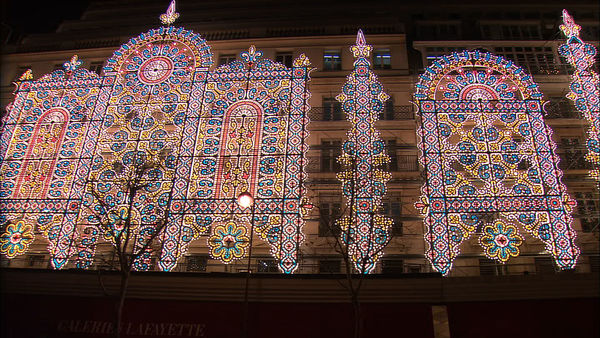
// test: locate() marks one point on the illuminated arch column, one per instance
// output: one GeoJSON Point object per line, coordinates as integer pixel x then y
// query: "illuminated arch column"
{"type": "Point", "coordinates": [585, 86]}
{"type": "Point", "coordinates": [481, 117]}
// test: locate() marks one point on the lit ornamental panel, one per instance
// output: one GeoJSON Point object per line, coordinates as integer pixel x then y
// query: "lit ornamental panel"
{"type": "Point", "coordinates": [160, 136]}
{"type": "Point", "coordinates": [47, 143]}
{"type": "Point", "coordinates": [585, 87]}
{"type": "Point", "coordinates": [489, 160]}
{"type": "Point", "coordinates": [364, 231]}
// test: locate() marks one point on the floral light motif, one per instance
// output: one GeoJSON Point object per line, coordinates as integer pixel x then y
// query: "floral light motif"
{"type": "Point", "coordinates": [487, 152]}
{"type": "Point", "coordinates": [16, 239]}
{"type": "Point", "coordinates": [585, 87]}
{"type": "Point", "coordinates": [364, 231]}
{"type": "Point", "coordinates": [229, 242]}
{"type": "Point", "coordinates": [500, 241]}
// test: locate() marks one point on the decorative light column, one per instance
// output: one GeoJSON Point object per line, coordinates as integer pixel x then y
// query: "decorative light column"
{"type": "Point", "coordinates": [584, 87]}
{"type": "Point", "coordinates": [364, 231]}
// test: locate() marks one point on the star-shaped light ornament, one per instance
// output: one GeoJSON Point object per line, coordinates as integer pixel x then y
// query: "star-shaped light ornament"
{"type": "Point", "coordinates": [170, 15]}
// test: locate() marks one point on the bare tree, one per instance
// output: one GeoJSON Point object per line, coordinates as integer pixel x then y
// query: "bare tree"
{"type": "Point", "coordinates": [113, 202]}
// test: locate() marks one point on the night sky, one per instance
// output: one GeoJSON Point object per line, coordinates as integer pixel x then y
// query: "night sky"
{"type": "Point", "coordinates": [24, 17]}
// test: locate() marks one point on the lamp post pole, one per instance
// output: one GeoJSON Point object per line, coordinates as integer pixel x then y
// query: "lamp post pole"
{"type": "Point", "coordinates": [246, 200]}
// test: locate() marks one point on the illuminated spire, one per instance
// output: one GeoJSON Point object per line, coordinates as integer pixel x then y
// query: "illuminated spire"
{"type": "Point", "coordinates": [569, 27]}
{"type": "Point", "coordinates": [170, 15]}
{"type": "Point", "coordinates": [361, 49]}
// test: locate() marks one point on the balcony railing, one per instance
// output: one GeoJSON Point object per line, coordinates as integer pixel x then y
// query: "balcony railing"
{"type": "Point", "coordinates": [318, 164]}
{"type": "Point", "coordinates": [405, 112]}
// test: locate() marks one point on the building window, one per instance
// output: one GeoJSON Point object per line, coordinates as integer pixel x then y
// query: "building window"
{"type": "Point", "coordinates": [392, 208]}
{"type": "Point", "coordinates": [382, 59]}
{"type": "Point", "coordinates": [588, 211]}
{"type": "Point", "coordinates": [332, 109]}
{"type": "Point", "coordinates": [392, 151]}
{"type": "Point", "coordinates": [284, 58]}
{"type": "Point", "coordinates": [36, 261]}
{"type": "Point", "coordinates": [561, 107]}
{"type": "Point", "coordinates": [388, 110]}
{"type": "Point", "coordinates": [535, 60]}
{"type": "Point", "coordinates": [96, 67]}
{"type": "Point", "coordinates": [489, 267]}
{"type": "Point", "coordinates": [392, 266]}
{"type": "Point", "coordinates": [197, 263]}
{"type": "Point", "coordinates": [432, 53]}
{"type": "Point", "coordinates": [267, 266]}
{"type": "Point", "coordinates": [226, 58]}
{"type": "Point", "coordinates": [438, 31]}
{"type": "Point", "coordinates": [595, 264]}
{"type": "Point", "coordinates": [544, 266]}
{"type": "Point", "coordinates": [497, 31]}
{"type": "Point", "coordinates": [573, 154]}
{"type": "Point", "coordinates": [329, 213]}
{"type": "Point", "coordinates": [330, 266]}
{"type": "Point", "coordinates": [332, 60]}
{"type": "Point", "coordinates": [330, 151]}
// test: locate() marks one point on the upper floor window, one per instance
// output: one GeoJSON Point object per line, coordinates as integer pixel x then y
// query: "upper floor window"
{"type": "Point", "coordinates": [329, 212]}
{"type": "Point", "coordinates": [96, 67]}
{"type": "Point", "coordinates": [267, 265]}
{"type": "Point", "coordinates": [438, 31]}
{"type": "Point", "coordinates": [332, 109]}
{"type": "Point", "coordinates": [330, 266]}
{"type": "Point", "coordinates": [588, 211]}
{"type": "Point", "coordinates": [226, 58]}
{"type": "Point", "coordinates": [392, 266]}
{"type": "Point", "coordinates": [392, 208]}
{"type": "Point", "coordinates": [432, 53]}
{"type": "Point", "coordinates": [503, 31]}
{"type": "Point", "coordinates": [330, 151]}
{"type": "Point", "coordinates": [382, 59]}
{"type": "Point", "coordinates": [536, 60]}
{"type": "Point", "coordinates": [284, 58]}
{"type": "Point", "coordinates": [332, 60]}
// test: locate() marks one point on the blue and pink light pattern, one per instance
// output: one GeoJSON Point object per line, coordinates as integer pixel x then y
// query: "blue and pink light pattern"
{"type": "Point", "coordinates": [364, 232]}
{"type": "Point", "coordinates": [585, 87]}
{"type": "Point", "coordinates": [488, 155]}
{"type": "Point", "coordinates": [218, 133]}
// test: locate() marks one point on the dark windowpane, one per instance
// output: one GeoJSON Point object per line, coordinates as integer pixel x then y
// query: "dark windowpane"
{"type": "Point", "coordinates": [382, 59]}
{"type": "Point", "coordinates": [197, 263]}
{"type": "Point", "coordinates": [392, 266]}
{"type": "Point", "coordinates": [284, 58]}
{"type": "Point", "coordinates": [332, 60]}
{"type": "Point", "coordinates": [267, 265]}
{"type": "Point", "coordinates": [330, 266]}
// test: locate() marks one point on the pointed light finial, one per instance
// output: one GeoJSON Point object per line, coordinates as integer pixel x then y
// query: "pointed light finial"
{"type": "Point", "coordinates": [569, 27]}
{"type": "Point", "coordinates": [361, 49]}
{"type": "Point", "coordinates": [170, 15]}
{"type": "Point", "coordinates": [28, 75]}
{"type": "Point", "coordinates": [72, 65]}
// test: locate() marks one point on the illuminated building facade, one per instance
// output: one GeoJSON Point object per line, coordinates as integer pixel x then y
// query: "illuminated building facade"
{"type": "Point", "coordinates": [305, 125]}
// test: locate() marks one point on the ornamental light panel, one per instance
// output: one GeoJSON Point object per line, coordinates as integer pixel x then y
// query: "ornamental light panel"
{"type": "Point", "coordinates": [364, 231]}
{"type": "Point", "coordinates": [585, 86]}
{"type": "Point", "coordinates": [490, 162]}
{"type": "Point", "coordinates": [211, 135]}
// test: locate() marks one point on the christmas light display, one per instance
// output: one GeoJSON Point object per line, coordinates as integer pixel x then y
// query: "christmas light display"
{"type": "Point", "coordinates": [585, 87]}
{"type": "Point", "coordinates": [16, 239]}
{"type": "Point", "coordinates": [208, 136]}
{"type": "Point", "coordinates": [488, 154]}
{"type": "Point", "coordinates": [364, 231]}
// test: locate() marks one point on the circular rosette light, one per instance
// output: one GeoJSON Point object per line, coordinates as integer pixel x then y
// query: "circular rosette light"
{"type": "Point", "coordinates": [16, 239]}
{"type": "Point", "coordinates": [500, 241]}
{"type": "Point", "coordinates": [229, 242]}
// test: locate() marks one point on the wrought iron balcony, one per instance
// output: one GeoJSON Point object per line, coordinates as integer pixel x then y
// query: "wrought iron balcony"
{"type": "Point", "coordinates": [405, 112]}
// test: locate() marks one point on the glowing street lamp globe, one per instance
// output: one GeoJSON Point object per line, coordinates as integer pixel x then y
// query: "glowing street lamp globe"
{"type": "Point", "coordinates": [245, 199]}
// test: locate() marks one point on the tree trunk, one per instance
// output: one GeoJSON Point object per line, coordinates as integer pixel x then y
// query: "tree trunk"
{"type": "Point", "coordinates": [121, 302]}
{"type": "Point", "coordinates": [357, 317]}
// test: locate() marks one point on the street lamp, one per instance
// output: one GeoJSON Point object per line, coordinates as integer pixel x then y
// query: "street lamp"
{"type": "Point", "coordinates": [245, 200]}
